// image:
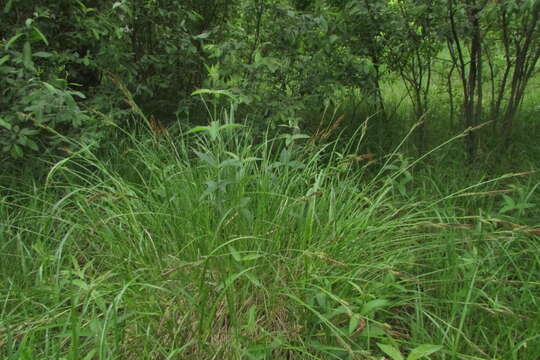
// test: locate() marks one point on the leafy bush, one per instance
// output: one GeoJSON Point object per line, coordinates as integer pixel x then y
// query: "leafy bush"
{"type": "Point", "coordinates": [46, 65]}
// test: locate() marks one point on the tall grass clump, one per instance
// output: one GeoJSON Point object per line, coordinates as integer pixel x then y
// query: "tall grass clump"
{"type": "Point", "coordinates": [209, 245]}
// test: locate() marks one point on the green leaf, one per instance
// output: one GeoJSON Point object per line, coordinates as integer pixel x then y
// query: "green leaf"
{"type": "Point", "coordinates": [391, 351]}
{"type": "Point", "coordinates": [4, 59]}
{"type": "Point", "coordinates": [90, 355]}
{"type": "Point", "coordinates": [43, 54]}
{"type": "Point", "coordinates": [197, 129]}
{"type": "Point", "coordinates": [16, 151]}
{"type": "Point", "coordinates": [29, 132]}
{"type": "Point", "coordinates": [321, 299]}
{"type": "Point", "coordinates": [213, 130]}
{"type": "Point", "coordinates": [374, 305]}
{"type": "Point", "coordinates": [27, 56]}
{"type": "Point", "coordinates": [12, 40]}
{"type": "Point", "coordinates": [213, 92]}
{"type": "Point", "coordinates": [49, 87]}
{"type": "Point", "coordinates": [353, 323]}
{"type": "Point", "coordinates": [373, 331]}
{"type": "Point", "coordinates": [235, 254]}
{"type": "Point", "coordinates": [81, 284]}
{"type": "Point", "coordinates": [32, 144]}
{"type": "Point", "coordinates": [5, 124]}
{"type": "Point", "coordinates": [207, 158]}
{"type": "Point", "coordinates": [423, 351]}
{"type": "Point", "coordinates": [202, 36]}
{"type": "Point", "coordinates": [509, 201]}
{"type": "Point", "coordinates": [251, 257]}
{"type": "Point", "coordinates": [40, 35]}
{"type": "Point", "coordinates": [252, 317]}
{"type": "Point", "coordinates": [252, 279]}
{"type": "Point", "coordinates": [230, 126]}
{"type": "Point", "coordinates": [22, 140]}
{"type": "Point", "coordinates": [77, 94]}
{"type": "Point", "coordinates": [211, 187]}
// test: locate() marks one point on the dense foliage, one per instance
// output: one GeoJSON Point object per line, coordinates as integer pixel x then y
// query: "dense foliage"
{"type": "Point", "coordinates": [269, 179]}
{"type": "Point", "coordinates": [66, 66]}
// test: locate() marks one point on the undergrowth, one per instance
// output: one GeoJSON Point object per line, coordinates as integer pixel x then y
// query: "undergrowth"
{"type": "Point", "coordinates": [209, 245]}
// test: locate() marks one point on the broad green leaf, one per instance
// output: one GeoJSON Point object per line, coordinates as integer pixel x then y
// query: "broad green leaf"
{"type": "Point", "coordinates": [22, 140]}
{"type": "Point", "coordinates": [50, 87]}
{"type": "Point", "coordinates": [373, 331]}
{"type": "Point", "coordinates": [353, 323]}
{"type": "Point", "coordinates": [207, 158]}
{"type": "Point", "coordinates": [16, 151]}
{"type": "Point", "coordinates": [31, 144]}
{"type": "Point", "coordinates": [211, 187]}
{"type": "Point", "coordinates": [336, 312]}
{"type": "Point", "coordinates": [81, 284]}
{"type": "Point", "coordinates": [391, 351]}
{"type": "Point", "coordinates": [27, 56]}
{"type": "Point", "coordinates": [509, 201]}
{"type": "Point", "coordinates": [373, 306]}
{"type": "Point", "coordinates": [213, 130]}
{"type": "Point", "coordinates": [235, 254]}
{"type": "Point", "coordinates": [321, 299]}
{"type": "Point", "coordinates": [423, 351]}
{"type": "Point", "coordinates": [43, 54]}
{"type": "Point", "coordinates": [5, 124]}
{"type": "Point", "coordinates": [4, 59]}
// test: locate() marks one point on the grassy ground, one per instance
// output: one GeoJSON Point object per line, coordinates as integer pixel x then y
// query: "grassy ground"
{"type": "Point", "coordinates": [215, 247]}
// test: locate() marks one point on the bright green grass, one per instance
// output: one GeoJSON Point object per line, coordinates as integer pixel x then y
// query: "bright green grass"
{"type": "Point", "coordinates": [218, 248]}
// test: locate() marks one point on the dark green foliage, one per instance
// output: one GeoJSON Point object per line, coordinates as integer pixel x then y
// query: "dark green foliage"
{"type": "Point", "coordinates": [50, 61]}
{"type": "Point", "coordinates": [283, 62]}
